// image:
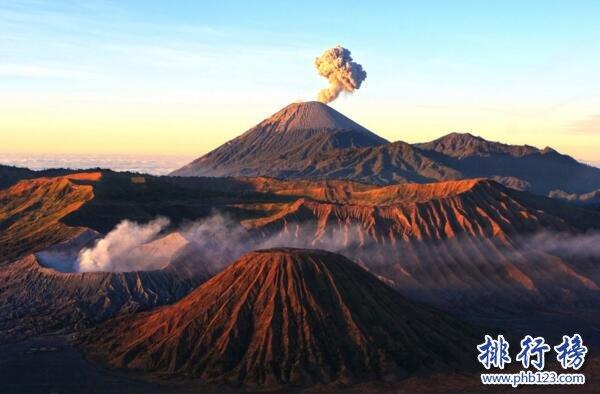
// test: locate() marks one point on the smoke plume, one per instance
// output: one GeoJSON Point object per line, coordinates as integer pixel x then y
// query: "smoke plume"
{"type": "Point", "coordinates": [218, 240]}
{"type": "Point", "coordinates": [341, 71]}
{"type": "Point", "coordinates": [117, 250]}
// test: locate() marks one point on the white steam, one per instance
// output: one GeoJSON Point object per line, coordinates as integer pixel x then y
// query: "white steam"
{"type": "Point", "coordinates": [218, 240]}
{"type": "Point", "coordinates": [117, 251]}
{"type": "Point", "coordinates": [343, 74]}
{"type": "Point", "coordinates": [586, 245]}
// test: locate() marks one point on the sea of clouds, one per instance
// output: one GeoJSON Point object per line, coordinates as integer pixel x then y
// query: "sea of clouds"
{"type": "Point", "coordinates": [150, 164]}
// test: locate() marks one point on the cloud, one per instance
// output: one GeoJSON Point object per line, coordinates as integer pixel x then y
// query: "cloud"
{"type": "Point", "coordinates": [145, 164]}
{"type": "Point", "coordinates": [590, 125]}
{"type": "Point", "coordinates": [36, 71]}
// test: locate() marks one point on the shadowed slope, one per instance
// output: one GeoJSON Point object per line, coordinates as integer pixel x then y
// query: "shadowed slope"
{"type": "Point", "coordinates": [37, 300]}
{"type": "Point", "coordinates": [461, 145]}
{"type": "Point", "coordinates": [538, 170]}
{"type": "Point", "coordinates": [10, 175]}
{"type": "Point", "coordinates": [383, 164]}
{"type": "Point", "coordinates": [287, 316]}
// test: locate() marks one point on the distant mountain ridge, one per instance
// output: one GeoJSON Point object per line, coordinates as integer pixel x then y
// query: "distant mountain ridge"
{"type": "Point", "coordinates": [313, 141]}
{"type": "Point", "coordinates": [9, 175]}
{"type": "Point", "coordinates": [461, 145]}
{"type": "Point", "coordinates": [537, 170]}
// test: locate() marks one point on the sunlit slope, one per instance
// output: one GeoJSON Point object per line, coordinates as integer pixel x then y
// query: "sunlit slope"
{"type": "Point", "coordinates": [287, 316]}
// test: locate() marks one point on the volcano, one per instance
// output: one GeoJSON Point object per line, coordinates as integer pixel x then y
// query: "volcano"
{"type": "Point", "coordinates": [296, 134]}
{"type": "Point", "coordinates": [287, 316]}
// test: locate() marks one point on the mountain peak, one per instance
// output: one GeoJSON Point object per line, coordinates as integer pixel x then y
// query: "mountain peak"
{"type": "Point", "coordinates": [456, 136]}
{"type": "Point", "coordinates": [461, 145]}
{"type": "Point", "coordinates": [461, 139]}
{"type": "Point", "coordinates": [310, 115]}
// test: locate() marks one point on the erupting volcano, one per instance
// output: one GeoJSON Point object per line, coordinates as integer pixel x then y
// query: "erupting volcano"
{"type": "Point", "coordinates": [311, 140]}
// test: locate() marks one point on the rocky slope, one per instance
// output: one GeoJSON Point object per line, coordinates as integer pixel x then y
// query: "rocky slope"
{"type": "Point", "coordinates": [472, 247]}
{"type": "Point", "coordinates": [463, 145]}
{"type": "Point", "coordinates": [287, 316]}
{"type": "Point", "coordinates": [285, 141]}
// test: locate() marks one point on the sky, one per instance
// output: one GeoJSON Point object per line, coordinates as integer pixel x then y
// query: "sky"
{"type": "Point", "coordinates": [179, 78]}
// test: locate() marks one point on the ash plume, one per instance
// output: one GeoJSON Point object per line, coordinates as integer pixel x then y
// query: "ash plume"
{"type": "Point", "coordinates": [343, 74]}
{"type": "Point", "coordinates": [117, 250]}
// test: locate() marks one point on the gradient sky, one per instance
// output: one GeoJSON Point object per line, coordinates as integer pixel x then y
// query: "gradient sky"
{"type": "Point", "coordinates": [182, 77]}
